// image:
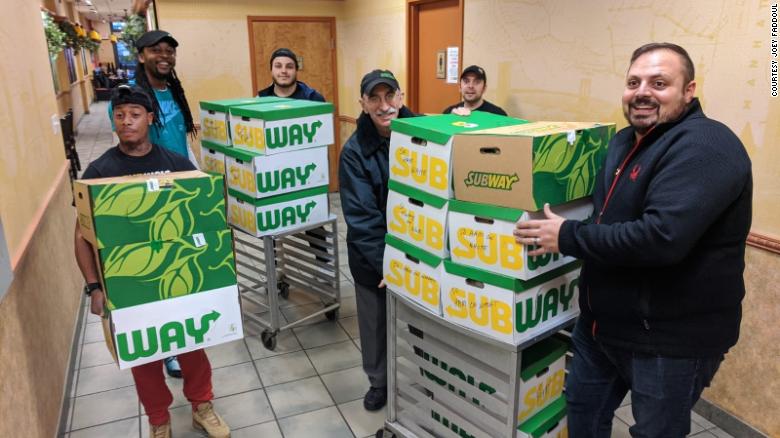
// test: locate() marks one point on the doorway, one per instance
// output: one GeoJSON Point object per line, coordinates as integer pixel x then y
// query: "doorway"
{"type": "Point", "coordinates": [434, 26]}
{"type": "Point", "coordinates": [313, 40]}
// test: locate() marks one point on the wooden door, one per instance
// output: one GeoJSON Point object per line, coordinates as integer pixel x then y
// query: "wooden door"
{"type": "Point", "coordinates": [313, 40]}
{"type": "Point", "coordinates": [434, 25]}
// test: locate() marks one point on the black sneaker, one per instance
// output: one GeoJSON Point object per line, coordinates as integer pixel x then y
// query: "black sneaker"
{"type": "Point", "coordinates": [172, 367]}
{"type": "Point", "coordinates": [375, 399]}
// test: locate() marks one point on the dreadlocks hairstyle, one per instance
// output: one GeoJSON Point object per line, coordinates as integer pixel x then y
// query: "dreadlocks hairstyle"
{"type": "Point", "coordinates": [174, 85]}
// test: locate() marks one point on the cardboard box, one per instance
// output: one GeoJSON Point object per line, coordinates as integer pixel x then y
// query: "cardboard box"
{"type": "Point", "coordinates": [526, 166]}
{"type": "Point", "coordinates": [421, 148]}
{"type": "Point", "coordinates": [215, 116]}
{"type": "Point", "coordinates": [260, 176]}
{"type": "Point", "coordinates": [142, 208]}
{"type": "Point", "coordinates": [481, 236]}
{"type": "Point", "coordinates": [279, 127]}
{"type": "Point", "coordinates": [542, 375]}
{"type": "Point", "coordinates": [144, 272]}
{"type": "Point", "coordinates": [413, 274]}
{"type": "Point", "coordinates": [549, 423]}
{"type": "Point", "coordinates": [417, 217]}
{"type": "Point", "coordinates": [506, 308]}
{"type": "Point", "coordinates": [261, 217]}
{"type": "Point", "coordinates": [159, 329]}
{"type": "Point", "coordinates": [212, 157]}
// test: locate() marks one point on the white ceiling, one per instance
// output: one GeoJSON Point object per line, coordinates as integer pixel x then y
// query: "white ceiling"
{"type": "Point", "coordinates": [108, 10]}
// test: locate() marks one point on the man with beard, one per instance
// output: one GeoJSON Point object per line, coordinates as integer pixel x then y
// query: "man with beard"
{"type": "Point", "coordinates": [363, 175]}
{"type": "Point", "coordinates": [284, 74]}
{"type": "Point", "coordinates": [473, 83]}
{"type": "Point", "coordinates": [133, 116]}
{"type": "Point", "coordinates": [661, 284]}
{"type": "Point", "coordinates": [173, 119]}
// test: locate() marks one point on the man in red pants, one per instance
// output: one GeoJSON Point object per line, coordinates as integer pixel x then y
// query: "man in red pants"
{"type": "Point", "coordinates": [135, 154]}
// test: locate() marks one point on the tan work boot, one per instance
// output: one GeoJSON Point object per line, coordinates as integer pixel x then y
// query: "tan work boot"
{"type": "Point", "coordinates": [161, 431]}
{"type": "Point", "coordinates": [206, 419]}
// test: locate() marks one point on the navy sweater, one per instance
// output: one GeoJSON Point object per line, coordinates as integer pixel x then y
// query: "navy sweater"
{"type": "Point", "coordinates": [663, 263]}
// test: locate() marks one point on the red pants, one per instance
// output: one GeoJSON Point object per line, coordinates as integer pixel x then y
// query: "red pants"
{"type": "Point", "coordinates": [154, 393]}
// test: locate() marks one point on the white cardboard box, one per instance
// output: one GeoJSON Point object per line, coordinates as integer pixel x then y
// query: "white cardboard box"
{"type": "Point", "coordinates": [212, 157]}
{"type": "Point", "coordinates": [481, 236]}
{"type": "Point", "coordinates": [261, 176]}
{"type": "Point", "coordinates": [261, 217]}
{"type": "Point", "coordinates": [418, 218]}
{"type": "Point", "coordinates": [215, 116]}
{"type": "Point", "coordinates": [505, 308]}
{"type": "Point", "coordinates": [413, 274]}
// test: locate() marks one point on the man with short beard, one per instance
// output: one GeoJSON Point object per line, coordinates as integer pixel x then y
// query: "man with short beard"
{"type": "Point", "coordinates": [473, 83]}
{"type": "Point", "coordinates": [133, 114]}
{"type": "Point", "coordinates": [363, 175]}
{"type": "Point", "coordinates": [661, 285]}
{"type": "Point", "coordinates": [284, 74]}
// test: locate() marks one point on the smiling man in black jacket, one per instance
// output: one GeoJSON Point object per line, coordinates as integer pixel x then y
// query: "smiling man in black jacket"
{"type": "Point", "coordinates": [363, 175]}
{"type": "Point", "coordinates": [661, 285]}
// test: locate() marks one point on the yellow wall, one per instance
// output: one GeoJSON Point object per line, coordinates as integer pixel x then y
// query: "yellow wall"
{"type": "Point", "coordinates": [566, 60]}
{"type": "Point", "coordinates": [37, 316]}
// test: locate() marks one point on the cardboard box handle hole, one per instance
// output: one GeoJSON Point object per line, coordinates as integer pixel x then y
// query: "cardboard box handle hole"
{"type": "Point", "coordinates": [245, 118]}
{"type": "Point", "coordinates": [212, 112]}
{"type": "Point", "coordinates": [490, 150]}
{"type": "Point", "coordinates": [419, 141]}
{"type": "Point", "coordinates": [540, 373]}
{"type": "Point", "coordinates": [475, 283]}
{"type": "Point", "coordinates": [415, 202]}
{"type": "Point", "coordinates": [413, 259]}
{"type": "Point", "coordinates": [484, 220]}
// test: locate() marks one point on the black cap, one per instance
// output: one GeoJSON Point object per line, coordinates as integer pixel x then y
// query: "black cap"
{"type": "Point", "coordinates": [153, 37]}
{"type": "Point", "coordinates": [477, 70]}
{"type": "Point", "coordinates": [284, 52]}
{"type": "Point", "coordinates": [134, 94]}
{"type": "Point", "coordinates": [376, 77]}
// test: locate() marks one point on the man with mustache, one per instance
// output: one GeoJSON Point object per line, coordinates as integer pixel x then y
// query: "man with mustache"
{"type": "Point", "coordinates": [284, 74]}
{"type": "Point", "coordinates": [661, 284]}
{"type": "Point", "coordinates": [133, 115]}
{"type": "Point", "coordinates": [363, 175]}
{"type": "Point", "coordinates": [473, 83]}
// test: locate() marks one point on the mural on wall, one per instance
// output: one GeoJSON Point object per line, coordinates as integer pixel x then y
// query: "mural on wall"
{"type": "Point", "coordinates": [561, 66]}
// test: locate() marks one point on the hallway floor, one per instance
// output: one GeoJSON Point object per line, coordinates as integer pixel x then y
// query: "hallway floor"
{"type": "Point", "coordinates": [311, 386]}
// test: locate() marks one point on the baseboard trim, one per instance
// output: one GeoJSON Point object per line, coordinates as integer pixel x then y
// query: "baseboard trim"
{"type": "Point", "coordinates": [726, 421]}
{"type": "Point", "coordinates": [72, 369]}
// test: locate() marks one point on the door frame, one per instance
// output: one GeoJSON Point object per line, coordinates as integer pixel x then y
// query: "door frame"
{"type": "Point", "coordinates": [412, 52]}
{"type": "Point", "coordinates": [333, 154]}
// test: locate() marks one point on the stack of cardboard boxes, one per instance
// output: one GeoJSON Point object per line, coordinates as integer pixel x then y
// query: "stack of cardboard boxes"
{"type": "Point", "coordinates": [166, 262]}
{"type": "Point", "coordinates": [458, 186]}
{"type": "Point", "coordinates": [274, 154]}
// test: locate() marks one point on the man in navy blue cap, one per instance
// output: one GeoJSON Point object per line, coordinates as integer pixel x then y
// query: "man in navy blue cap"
{"type": "Point", "coordinates": [363, 176]}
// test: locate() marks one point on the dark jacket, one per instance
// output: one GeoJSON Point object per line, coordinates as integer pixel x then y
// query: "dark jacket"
{"type": "Point", "coordinates": [663, 268]}
{"type": "Point", "coordinates": [363, 174]}
{"type": "Point", "coordinates": [485, 107]}
{"type": "Point", "coordinates": [302, 91]}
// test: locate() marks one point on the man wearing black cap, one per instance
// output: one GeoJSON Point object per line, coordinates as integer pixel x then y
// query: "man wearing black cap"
{"type": "Point", "coordinates": [473, 83]}
{"type": "Point", "coordinates": [363, 175]}
{"type": "Point", "coordinates": [284, 73]}
{"type": "Point", "coordinates": [136, 154]}
{"type": "Point", "coordinates": [155, 73]}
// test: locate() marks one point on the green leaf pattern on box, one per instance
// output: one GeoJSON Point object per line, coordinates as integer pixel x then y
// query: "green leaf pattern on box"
{"type": "Point", "coordinates": [144, 272]}
{"type": "Point", "coordinates": [558, 165]}
{"type": "Point", "coordinates": [126, 213]}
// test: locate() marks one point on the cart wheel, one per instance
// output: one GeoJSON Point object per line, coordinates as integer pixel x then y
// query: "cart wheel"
{"type": "Point", "coordinates": [284, 289]}
{"type": "Point", "coordinates": [332, 315]}
{"type": "Point", "coordinates": [269, 339]}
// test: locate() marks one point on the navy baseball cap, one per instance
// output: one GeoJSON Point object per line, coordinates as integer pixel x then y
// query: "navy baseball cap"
{"type": "Point", "coordinates": [477, 70]}
{"type": "Point", "coordinates": [133, 94]}
{"type": "Point", "coordinates": [284, 52]}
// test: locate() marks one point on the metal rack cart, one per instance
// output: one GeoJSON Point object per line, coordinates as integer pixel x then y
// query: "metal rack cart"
{"type": "Point", "coordinates": [440, 373]}
{"type": "Point", "coordinates": [288, 259]}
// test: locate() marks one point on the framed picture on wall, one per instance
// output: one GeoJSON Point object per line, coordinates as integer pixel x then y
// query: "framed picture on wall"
{"type": "Point", "coordinates": [71, 65]}
{"type": "Point", "coordinates": [84, 61]}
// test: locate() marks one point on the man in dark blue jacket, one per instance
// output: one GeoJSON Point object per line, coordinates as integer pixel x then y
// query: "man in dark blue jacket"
{"type": "Point", "coordinates": [284, 74]}
{"type": "Point", "coordinates": [661, 285]}
{"type": "Point", "coordinates": [363, 174]}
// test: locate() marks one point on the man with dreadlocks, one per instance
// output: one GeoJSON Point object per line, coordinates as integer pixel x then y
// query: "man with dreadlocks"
{"type": "Point", "coordinates": [155, 73]}
{"type": "Point", "coordinates": [173, 119]}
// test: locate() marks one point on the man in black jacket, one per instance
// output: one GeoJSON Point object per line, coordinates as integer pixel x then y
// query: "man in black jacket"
{"type": "Point", "coordinates": [661, 285]}
{"type": "Point", "coordinates": [363, 174]}
{"type": "Point", "coordinates": [473, 83]}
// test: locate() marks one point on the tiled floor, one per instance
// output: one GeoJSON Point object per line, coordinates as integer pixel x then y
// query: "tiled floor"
{"type": "Point", "coordinates": [311, 385]}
